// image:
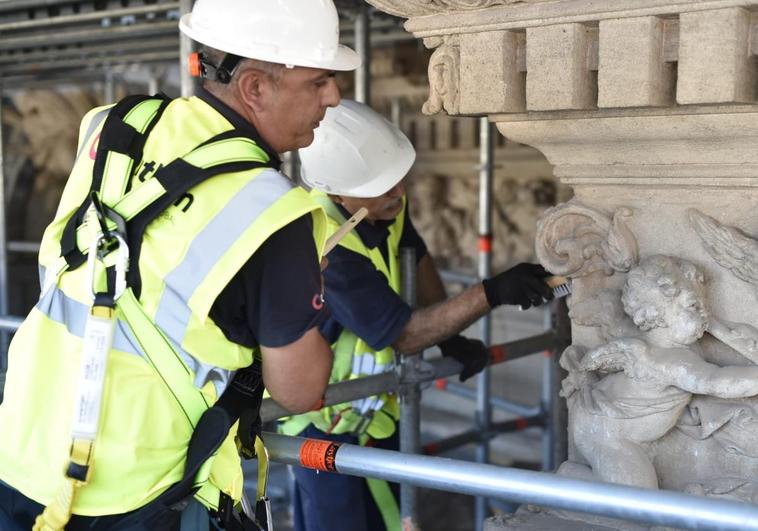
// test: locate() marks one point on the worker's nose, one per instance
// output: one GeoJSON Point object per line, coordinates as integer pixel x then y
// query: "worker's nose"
{"type": "Point", "coordinates": [332, 94]}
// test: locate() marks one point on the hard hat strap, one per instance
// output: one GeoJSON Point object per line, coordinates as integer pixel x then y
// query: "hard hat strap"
{"type": "Point", "coordinates": [222, 72]}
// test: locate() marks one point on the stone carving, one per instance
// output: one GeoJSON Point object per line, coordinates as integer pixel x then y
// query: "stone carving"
{"type": "Point", "coordinates": [419, 8]}
{"type": "Point", "coordinates": [444, 72]}
{"type": "Point", "coordinates": [729, 247]}
{"type": "Point", "coordinates": [626, 394]}
{"type": "Point", "coordinates": [576, 240]}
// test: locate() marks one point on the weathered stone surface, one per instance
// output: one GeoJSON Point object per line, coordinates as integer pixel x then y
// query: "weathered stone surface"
{"type": "Point", "coordinates": [557, 68]}
{"type": "Point", "coordinates": [715, 59]}
{"type": "Point", "coordinates": [491, 86]}
{"type": "Point", "coordinates": [683, 173]}
{"type": "Point", "coordinates": [524, 521]}
{"type": "Point", "coordinates": [632, 71]}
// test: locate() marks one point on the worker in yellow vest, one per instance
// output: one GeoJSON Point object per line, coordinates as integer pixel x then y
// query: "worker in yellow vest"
{"type": "Point", "coordinates": [359, 159]}
{"type": "Point", "coordinates": [180, 274]}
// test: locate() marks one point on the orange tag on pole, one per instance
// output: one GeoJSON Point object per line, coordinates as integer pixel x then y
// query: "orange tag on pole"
{"type": "Point", "coordinates": [319, 455]}
{"type": "Point", "coordinates": [195, 69]}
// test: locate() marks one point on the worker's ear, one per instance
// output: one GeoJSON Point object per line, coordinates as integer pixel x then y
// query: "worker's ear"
{"type": "Point", "coordinates": [255, 87]}
{"type": "Point", "coordinates": [336, 199]}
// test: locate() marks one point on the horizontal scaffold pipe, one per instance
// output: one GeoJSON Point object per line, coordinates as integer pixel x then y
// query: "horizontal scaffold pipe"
{"type": "Point", "coordinates": [86, 17]}
{"type": "Point", "coordinates": [389, 382]}
{"type": "Point", "coordinates": [658, 507]}
{"type": "Point", "coordinates": [10, 323]}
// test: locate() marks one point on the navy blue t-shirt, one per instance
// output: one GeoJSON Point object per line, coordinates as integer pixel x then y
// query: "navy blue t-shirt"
{"type": "Point", "coordinates": [270, 301]}
{"type": "Point", "coordinates": [358, 295]}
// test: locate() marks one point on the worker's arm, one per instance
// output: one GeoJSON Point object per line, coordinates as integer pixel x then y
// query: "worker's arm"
{"type": "Point", "coordinates": [296, 375]}
{"type": "Point", "coordinates": [274, 302]}
{"type": "Point", "coordinates": [429, 287]}
{"type": "Point", "coordinates": [428, 326]}
{"type": "Point", "coordinates": [521, 285]}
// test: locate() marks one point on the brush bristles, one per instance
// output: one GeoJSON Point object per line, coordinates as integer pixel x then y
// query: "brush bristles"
{"type": "Point", "coordinates": [562, 290]}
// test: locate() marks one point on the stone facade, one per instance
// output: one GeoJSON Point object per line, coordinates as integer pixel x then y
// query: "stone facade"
{"type": "Point", "coordinates": [647, 109]}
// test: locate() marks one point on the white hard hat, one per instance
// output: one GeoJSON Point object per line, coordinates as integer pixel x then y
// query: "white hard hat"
{"type": "Point", "coordinates": [288, 32]}
{"type": "Point", "coordinates": [356, 152]}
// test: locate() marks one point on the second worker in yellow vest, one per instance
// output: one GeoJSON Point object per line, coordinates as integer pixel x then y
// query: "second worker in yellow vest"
{"type": "Point", "coordinates": [358, 159]}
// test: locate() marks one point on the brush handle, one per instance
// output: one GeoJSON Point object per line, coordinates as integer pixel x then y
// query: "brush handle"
{"type": "Point", "coordinates": [556, 280]}
{"type": "Point", "coordinates": [346, 227]}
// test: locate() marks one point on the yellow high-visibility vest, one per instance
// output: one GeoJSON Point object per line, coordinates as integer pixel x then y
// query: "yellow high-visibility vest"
{"type": "Point", "coordinates": [353, 357]}
{"type": "Point", "coordinates": [188, 254]}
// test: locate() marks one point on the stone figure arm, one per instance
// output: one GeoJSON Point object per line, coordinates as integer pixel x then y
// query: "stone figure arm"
{"type": "Point", "coordinates": [632, 356]}
{"type": "Point", "coordinates": [697, 376]}
{"type": "Point", "coordinates": [740, 336]}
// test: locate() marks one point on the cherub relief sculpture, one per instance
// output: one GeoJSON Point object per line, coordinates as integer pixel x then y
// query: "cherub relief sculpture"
{"type": "Point", "coordinates": [632, 390]}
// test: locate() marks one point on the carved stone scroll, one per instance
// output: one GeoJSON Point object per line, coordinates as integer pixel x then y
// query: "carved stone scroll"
{"type": "Point", "coordinates": [444, 75]}
{"type": "Point", "coordinates": [575, 240]}
{"type": "Point", "coordinates": [728, 246]}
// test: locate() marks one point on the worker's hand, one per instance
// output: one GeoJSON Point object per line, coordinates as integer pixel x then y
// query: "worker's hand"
{"type": "Point", "coordinates": [523, 285]}
{"type": "Point", "coordinates": [470, 352]}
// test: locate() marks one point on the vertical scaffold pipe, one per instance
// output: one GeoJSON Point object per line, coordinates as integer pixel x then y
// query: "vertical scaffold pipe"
{"type": "Point", "coordinates": [410, 397]}
{"type": "Point", "coordinates": [483, 407]}
{"type": "Point", "coordinates": [109, 86]}
{"type": "Point", "coordinates": [547, 406]}
{"type": "Point", "coordinates": [363, 48]}
{"type": "Point", "coordinates": [185, 49]}
{"type": "Point", "coordinates": [3, 258]}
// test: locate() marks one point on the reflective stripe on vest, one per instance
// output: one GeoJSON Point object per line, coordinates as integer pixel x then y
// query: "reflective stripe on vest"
{"type": "Point", "coordinates": [173, 315]}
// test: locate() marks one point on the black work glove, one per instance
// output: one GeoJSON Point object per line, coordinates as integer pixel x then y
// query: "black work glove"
{"type": "Point", "coordinates": [522, 285]}
{"type": "Point", "coordinates": [470, 352]}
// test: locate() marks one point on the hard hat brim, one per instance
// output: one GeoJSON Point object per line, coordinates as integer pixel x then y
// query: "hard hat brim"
{"type": "Point", "coordinates": [344, 60]}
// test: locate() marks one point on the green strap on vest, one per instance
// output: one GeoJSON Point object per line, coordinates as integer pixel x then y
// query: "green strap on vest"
{"type": "Point", "coordinates": [385, 501]}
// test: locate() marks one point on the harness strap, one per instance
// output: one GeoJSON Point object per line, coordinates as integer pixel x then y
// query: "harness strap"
{"type": "Point", "coordinates": [120, 146]}
{"type": "Point", "coordinates": [140, 206]}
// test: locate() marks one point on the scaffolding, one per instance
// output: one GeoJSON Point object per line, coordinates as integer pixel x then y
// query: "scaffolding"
{"type": "Point", "coordinates": [45, 41]}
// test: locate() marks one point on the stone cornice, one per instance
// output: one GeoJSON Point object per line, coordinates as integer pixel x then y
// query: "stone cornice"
{"type": "Point", "coordinates": [588, 56]}
{"type": "Point", "coordinates": [520, 15]}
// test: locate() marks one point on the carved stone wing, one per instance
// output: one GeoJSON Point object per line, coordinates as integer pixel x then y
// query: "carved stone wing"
{"type": "Point", "coordinates": [575, 240]}
{"type": "Point", "coordinates": [728, 246]}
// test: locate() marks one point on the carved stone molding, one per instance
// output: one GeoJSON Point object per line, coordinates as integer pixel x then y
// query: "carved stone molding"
{"type": "Point", "coordinates": [728, 246]}
{"type": "Point", "coordinates": [584, 56]}
{"type": "Point", "coordinates": [419, 8]}
{"type": "Point", "coordinates": [575, 240]}
{"type": "Point", "coordinates": [444, 75]}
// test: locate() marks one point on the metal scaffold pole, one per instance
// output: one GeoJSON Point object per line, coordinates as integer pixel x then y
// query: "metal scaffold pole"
{"type": "Point", "coordinates": [363, 48]}
{"type": "Point", "coordinates": [410, 397]}
{"type": "Point", "coordinates": [659, 507]}
{"type": "Point", "coordinates": [3, 258]}
{"type": "Point", "coordinates": [185, 49]}
{"type": "Point", "coordinates": [483, 406]}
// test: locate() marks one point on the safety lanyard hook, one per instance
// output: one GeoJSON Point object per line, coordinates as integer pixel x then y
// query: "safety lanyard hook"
{"type": "Point", "coordinates": [98, 251]}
